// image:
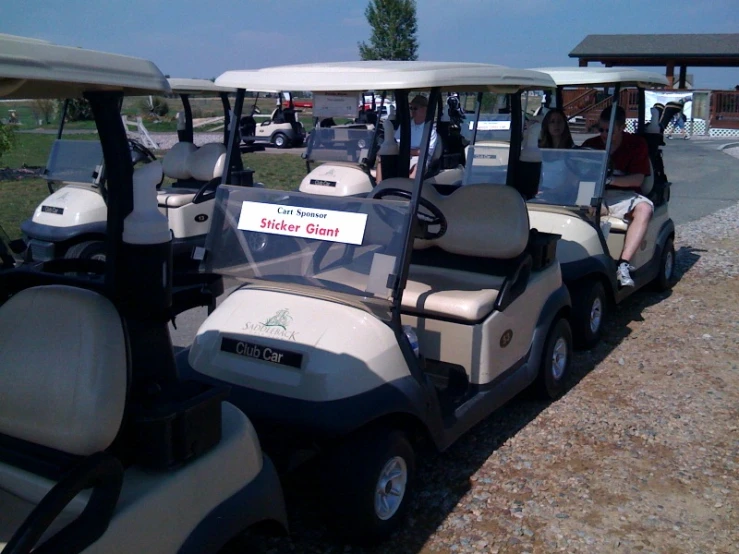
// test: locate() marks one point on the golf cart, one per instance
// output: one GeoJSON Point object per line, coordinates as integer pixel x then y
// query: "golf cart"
{"type": "Point", "coordinates": [283, 129]}
{"type": "Point", "coordinates": [385, 321]}
{"type": "Point", "coordinates": [570, 203]}
{"type": "Point", "coordinates": [71, 222]}
{"type": "Point", "coordinates": [102, 447]}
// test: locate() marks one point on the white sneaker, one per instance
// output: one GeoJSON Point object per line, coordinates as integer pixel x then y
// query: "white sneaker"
{"type": "Point", "coordinates": [623, 275]}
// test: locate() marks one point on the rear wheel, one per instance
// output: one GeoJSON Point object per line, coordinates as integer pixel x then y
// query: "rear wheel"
{"type": "Point", "coordinates": [555, 361]}
{"type": "Point", "coordinates": [280, 140]}
{"type": "Point", "coordinates": [666, 277]}
{"type": "Point", "coordinates": [588, 312]}
{"type": "Point", "coordinates": [367, 483]}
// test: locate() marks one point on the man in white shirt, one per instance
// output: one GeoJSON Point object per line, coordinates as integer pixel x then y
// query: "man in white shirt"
{"type": "Point", "coordinates": [417, 107]}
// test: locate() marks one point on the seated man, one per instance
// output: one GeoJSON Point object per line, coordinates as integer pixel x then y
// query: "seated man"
{"type": "Point", "coordinates": [417, 107]}
{"type": "Point", "coordinates": [630, 161]}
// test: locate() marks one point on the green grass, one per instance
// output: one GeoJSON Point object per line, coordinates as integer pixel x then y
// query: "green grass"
{"type": "Point", "coordinates": [18, 199]}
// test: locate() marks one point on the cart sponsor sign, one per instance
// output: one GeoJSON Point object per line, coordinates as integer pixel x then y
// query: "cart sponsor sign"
{"type": "Point", "coordinates": [297, 221]}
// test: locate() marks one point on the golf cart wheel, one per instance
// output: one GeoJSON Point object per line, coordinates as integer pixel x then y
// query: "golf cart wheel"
{"type": "Point", "coordinates": [666, 277]}
{"type": "Point", "coordinates": [589, 305]}
{"type": "Point", "coordinates": [280, 140]}
{"type": "Point", "coordinates": [555, 361]}
{"type": "Point", "coordinates": [368, 484]}
{"type": "Point", "coordinates": [90, 250]}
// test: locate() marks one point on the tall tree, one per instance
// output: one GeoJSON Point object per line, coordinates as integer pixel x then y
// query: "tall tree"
{"type": "Point", "coordinates": [394, 30]}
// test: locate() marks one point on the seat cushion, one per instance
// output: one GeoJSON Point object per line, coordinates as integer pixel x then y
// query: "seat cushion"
{"type": "Point", "coordinates": [450, 293]}
{"type": "Point", "coordinates": [175, 197]}
{"type": "Point", "coordinates": [175, 161]}
{"type": "Point", "coordinates": [63, 369]}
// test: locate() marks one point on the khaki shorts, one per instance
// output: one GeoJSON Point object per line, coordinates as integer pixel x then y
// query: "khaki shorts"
{"type": "Point", "coordinates": [622, 202]}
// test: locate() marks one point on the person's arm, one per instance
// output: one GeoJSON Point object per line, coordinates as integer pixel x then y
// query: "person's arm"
{"type": "Point", "coordinates": [632, 181]}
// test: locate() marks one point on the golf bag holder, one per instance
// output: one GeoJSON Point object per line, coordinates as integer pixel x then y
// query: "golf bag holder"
{"type": "Point", "coordinates": [177, 424]}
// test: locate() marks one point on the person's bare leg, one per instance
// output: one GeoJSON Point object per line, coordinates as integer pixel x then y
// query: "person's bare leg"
{"type": "Point", "coordinates": [378, 170]}
{"type": "Point", "coordinates": [640, 217]}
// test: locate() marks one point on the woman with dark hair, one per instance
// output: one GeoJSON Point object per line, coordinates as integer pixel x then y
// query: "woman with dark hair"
{"type": "Point", "coordinates": [555, 132]}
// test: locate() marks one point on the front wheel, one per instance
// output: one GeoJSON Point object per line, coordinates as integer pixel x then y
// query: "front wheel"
{"type": "Point", "coordinates": [555, 360]}
{"type": "Point", "coordinates": [368, 483]}
{"type": "Point", "coordinates": [588, 312]}
{"type": "Point", "coordinates": [666, 277]}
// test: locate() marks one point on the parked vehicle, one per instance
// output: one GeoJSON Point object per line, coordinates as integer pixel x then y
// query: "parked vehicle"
{"type": "Point", "coordinates": [103, 447]}
{"type": "Point", "coordinates": [282, 128]}
{"type": "Point", "coordinates": [592, 240]}
{"type": "Point", "coordinates": [71, 221]}
{"type": "Point", "coordinates": [407, 314]}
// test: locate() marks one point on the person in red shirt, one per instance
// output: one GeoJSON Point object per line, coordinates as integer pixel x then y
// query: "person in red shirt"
{"type": "Point", "coordinates": [630, 161]}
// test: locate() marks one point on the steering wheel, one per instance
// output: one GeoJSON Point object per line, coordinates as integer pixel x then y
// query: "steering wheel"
{"type": "Point", "coordinates": [139, 152]}
{"type": "Point", "coordinates": [426, 220]}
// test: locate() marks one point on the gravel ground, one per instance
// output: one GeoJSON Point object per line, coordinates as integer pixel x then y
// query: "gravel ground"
{"type": "Point", "coordinates": [641, 455]}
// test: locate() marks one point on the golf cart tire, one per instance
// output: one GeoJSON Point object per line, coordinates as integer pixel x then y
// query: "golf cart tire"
{"type": "Point", "coordinates": [552, 378]}
{"type": "Point", "coordinates": [86, 250]}
{"type": "Point", "coordinates": [280, 140]}
{"type": "Point", "coordinates": [588, 296]}
{"type": "Point", "coordinates": [351, 478]}
{"type": "Point", "coordinates": [665, 279]}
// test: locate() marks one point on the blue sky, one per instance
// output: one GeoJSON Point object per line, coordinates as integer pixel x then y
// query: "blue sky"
{"type": "Point", "coordinates": [202, 39]}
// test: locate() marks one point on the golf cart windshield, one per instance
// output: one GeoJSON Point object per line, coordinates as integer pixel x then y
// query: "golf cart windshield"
{"type": "Point", "coordinates": [345, 143]}
{"type": "Point", "coordinates": [487, 155]}
{"type": "Point", "coordinates": [345, 246]}
{"type": "Point", "coordinates": [570, 177]}
{"type": "Point", "coordinates": [75, 161]}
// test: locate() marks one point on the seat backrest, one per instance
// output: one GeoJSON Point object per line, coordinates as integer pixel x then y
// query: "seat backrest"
{"type": "Point", "coordinates": [483, 220]}
{"type": "Point", "coordinates": [648, 183]}
{"type": "Point", "coordinates": [175, 162]}
{"type": "Point", "coordinates": [208, 162]}
{"type": "Point", "coordinates": [63, 369]}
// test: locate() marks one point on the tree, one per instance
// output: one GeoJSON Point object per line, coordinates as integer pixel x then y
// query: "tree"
{"type": "Point", "coordinates": [394, 30]}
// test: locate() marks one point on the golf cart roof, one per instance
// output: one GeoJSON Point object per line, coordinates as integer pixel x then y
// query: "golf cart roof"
{"type": "Point", "coordinates": [196, 86]}
{"type": "Point", "coordinates": [31, 68]}
{"type": "Point", "coordinates": [386, 75]}
{"type": "Point", "coordinates": [571, 76]}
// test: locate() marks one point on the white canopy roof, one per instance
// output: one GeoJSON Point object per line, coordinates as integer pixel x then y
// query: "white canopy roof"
{"type": "Point", "coordinates": [31, 68]}
{"type": "Point", "coordinates": [196, 86]}
{"type": "Point", "coordinates": [386, 75]}
{"type": "Point", "coordinates": [571, 76]}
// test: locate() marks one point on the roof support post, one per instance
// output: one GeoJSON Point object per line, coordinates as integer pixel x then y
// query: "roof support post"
{"type": "Point", "coordinates": [670, 73]}
{"type": "Point", "coordinates": [683, 75]}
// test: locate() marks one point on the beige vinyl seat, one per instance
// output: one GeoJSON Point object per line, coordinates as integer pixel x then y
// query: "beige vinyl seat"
{"type": "Point", "coordinates": [66, 394]}
{"type": "Point", "coordinates": [485, 222]}
{"type": "Point", "coordinates": [62, 403]}
{"type": "Point", "coordinates": [191, 167]}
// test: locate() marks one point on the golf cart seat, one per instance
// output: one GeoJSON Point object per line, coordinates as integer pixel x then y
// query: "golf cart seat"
{"type": "Point", "coordinates": [62, 409]}
{"type": "Point", "coordinates": [60, 405]}
{"type": "Point", "coordinates": [479, 264]}
{"type": "Point", "coordinates": [193, 167]}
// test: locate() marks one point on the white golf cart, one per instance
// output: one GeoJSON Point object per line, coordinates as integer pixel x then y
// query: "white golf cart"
{"type": "Point", "coordinates": [102, 447]}
{"type": "Point", "coordinates": [282, 128]}
{"type": "Point", "coordinates": [71, 222]}
{"type": "Point", "coordinates": [570, 203]}
{"type": "Point", "coordinates": [384, 320]}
